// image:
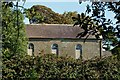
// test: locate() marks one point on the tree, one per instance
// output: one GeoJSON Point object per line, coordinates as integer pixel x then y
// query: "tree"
{"type": "Point", "coordinates": [106, 28]}
{"type": "Point", "coordinates": [33, 16]}
{"type": "Point", "coordinates": [68, 17]}
{"type": "Point", "coordinates": [42, 14]}
{"type": "Point", "coordinates": [14, 36]}
{"type": "Point", "coordinates": [86, 23]}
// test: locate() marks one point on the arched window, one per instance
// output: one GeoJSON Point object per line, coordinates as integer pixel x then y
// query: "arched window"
{"type": "Point", "coordinates": [55, 49]}
{"type": "Point", "coordinates": [78, 51]}
{"type": "Point", "coordinates": [31, 49]}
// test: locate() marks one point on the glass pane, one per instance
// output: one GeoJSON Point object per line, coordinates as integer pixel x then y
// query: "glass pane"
{"type": "Point", "coordinates": [31, 46]}
{"type": "Point", "coordinates": [54, 46]}
{"type": "Point", "coordinates": [78, 47]}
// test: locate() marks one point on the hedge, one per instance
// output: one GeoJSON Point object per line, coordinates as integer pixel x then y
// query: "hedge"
{"type": "Point", "coordinates": [53, 67]}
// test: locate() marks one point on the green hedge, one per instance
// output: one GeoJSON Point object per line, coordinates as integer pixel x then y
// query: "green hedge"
{"type": "Point", "coordinates": [51, 66]}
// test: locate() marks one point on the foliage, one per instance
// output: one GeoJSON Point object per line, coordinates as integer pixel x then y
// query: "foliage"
{"type": "Point", "coordinates": [42, 14]}
{"type": "Point", "coordinates": [16, 67]}
{"type": "Point", "coordinates": [13, 33]}
{"type": "Point", "coordinates": [116, 51]}
{"type": "Point", "coordinates": [68, 17]}
{"type": "Point", "coordinates": [50, 66]}
{"type": "Point", "coordinates": [13, 39]}
{"type": "Point", "coordinates": [86, 23]}
{"type": "Point", "coordinates": [97, 24]}
{"type": "Point", "coordinates": [33, 16]}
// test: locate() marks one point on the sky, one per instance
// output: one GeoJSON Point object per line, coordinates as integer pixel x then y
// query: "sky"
{"type": "Point", "coordinates": [60, 6]}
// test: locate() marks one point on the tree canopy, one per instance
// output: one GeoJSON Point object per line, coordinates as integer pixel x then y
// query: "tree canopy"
{"type": "Point", "coordinates": [13, 32]}
{"type": "Point", "coordinates": [42, 14]}
{"type": "Point", "coordinates": [103, 27]}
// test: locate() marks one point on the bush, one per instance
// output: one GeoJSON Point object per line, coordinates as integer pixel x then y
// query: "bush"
{"type": "Point", "coordinates": [51, 66]}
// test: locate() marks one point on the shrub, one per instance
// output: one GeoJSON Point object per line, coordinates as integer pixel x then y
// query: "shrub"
{"type": "Point", "coordinates": [51, 66]}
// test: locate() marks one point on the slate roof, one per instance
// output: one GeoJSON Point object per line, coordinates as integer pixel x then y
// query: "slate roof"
{"type": "Point", "coordinates": [52, 31]}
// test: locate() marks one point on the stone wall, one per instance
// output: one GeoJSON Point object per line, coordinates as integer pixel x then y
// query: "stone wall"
{"type": "Point", "coordinates": [90, 48]}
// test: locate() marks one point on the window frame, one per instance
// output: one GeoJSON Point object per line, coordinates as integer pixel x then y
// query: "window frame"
{"type": "Point", "coordinates": [31, 46]}
{"type": "Point", "coordinates": [78, 47]}
{"type": "Point", "coordinates": [55, 48]}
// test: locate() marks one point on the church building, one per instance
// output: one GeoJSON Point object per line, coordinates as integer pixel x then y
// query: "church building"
{"type": "Point", "coordinates": [61, 40]}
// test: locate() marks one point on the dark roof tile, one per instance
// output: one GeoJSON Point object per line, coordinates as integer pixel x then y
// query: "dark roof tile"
{"type": "Point", "coordinates": [52, 31]}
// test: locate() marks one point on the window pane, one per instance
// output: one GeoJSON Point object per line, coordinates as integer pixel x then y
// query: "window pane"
{"type": "Point", "coordinates": [78, 51]}
{"type": "Point", "coordinates": [78, 47]}
{"type": "Point", "coordinates": [54, 46]}
{"type": "Point", "coordinates": [55, 49]}
{"type": "Point", "coordinates": [31, 46]}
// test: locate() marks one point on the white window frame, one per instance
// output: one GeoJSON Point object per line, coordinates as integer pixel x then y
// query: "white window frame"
{"type": "Point", "coordinates": [31, 49]}
{"type": "Point", "coordinates": [78, 52]}
{"type": "Point", "coordinates": [54, 51]}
